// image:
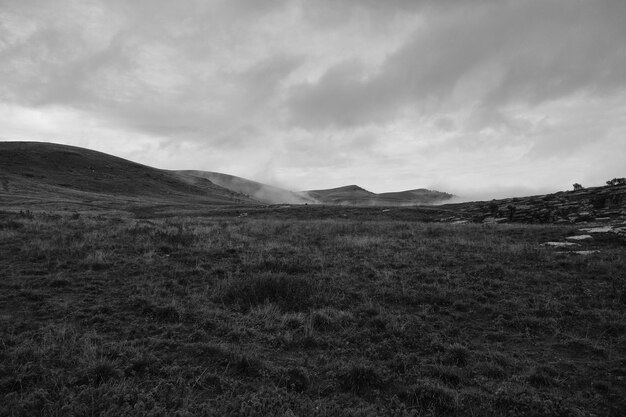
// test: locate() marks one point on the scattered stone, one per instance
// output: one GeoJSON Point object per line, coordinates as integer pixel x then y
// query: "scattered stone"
{"type": "Point", "coordinates": [580, 252]}
{"type": "Point", "coordinates": [585, 252]}
{"type": "Point", "coordinates": [579, 237]}
{"type": "Point", "coordinates": [594, 204]}
{"type": "Point", "coordinates": [495, 220]}
{"type": "Point", "coordinates": [460, 222]}
{"type": "Point", "coordinates": [560, 244]}
{"type": "Point", "coordinates": [601, 229]}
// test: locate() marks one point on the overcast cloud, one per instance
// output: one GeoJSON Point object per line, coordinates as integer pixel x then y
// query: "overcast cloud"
{"type": "Point", "coordinates": [483, 98]}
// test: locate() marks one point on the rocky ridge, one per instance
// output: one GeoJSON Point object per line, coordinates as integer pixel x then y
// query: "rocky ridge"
{"type": "Point", "coordinates": [594, 204]}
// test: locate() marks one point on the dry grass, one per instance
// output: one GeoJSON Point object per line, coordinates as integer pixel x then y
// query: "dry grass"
{"type": "Point", "coordinates": [109, 315]}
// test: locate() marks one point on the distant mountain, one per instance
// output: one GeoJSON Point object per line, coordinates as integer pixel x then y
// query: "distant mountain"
{"type": "Point", "coordinates": [349, 194]}
{"type": "Point", "coordinates": [355, 195]}
{"type": "Point", "coordinates": [418, 196]}
{"type": "Point", "coordinates": [50, 174]}
{"type": "Point", "coordinates": [261, 192]}
{"type": "Point", "coordinates": [37, 171]}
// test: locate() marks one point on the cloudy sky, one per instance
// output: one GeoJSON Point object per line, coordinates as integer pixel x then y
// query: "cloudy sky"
{"type": "Point", "coordinates": [476, 97]}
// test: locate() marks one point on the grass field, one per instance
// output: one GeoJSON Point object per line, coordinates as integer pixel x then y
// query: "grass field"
{"type": "Point", "coordinates": [109, 314]}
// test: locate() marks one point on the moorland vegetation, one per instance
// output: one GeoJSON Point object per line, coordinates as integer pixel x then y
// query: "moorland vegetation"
{"type": "Point", "coordinates": [118, 314]}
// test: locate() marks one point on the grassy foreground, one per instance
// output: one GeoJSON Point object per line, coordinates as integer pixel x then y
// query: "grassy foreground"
{"type": "Point", "coordinates": [117, 316]}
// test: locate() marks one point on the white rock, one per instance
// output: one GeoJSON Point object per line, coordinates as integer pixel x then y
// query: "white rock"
{"type": "Point", "coordinates": [581, 252]}
{"type": "Point", "coordinates": [602, 229]}
{"type": "Point", "coordinates": [579, 237]}
{"type": "Point", "coordinates": [560, 244]}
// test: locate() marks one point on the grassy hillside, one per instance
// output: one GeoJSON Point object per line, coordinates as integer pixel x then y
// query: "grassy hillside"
{"type": "Point", "coordinates": [107, 314]}
{"type": "Point", "coordinates": [53, 176]}
{"type": "Point", "coordinates": [261, 192]}
{"type": "Point", "coordinates": [35, 171]}
{"type": "Point", "coordinates": [350, 194]}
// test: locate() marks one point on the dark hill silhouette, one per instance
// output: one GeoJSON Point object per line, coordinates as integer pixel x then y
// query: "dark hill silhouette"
{"type": "Point", "coordinates": [355, 195]}
{"type": "Point", "coordinates": [53, 174]}
{"type": "Point", "coordinates": [420, 196]}
{"type": "Point", "coordinates": [37, 170]}
{"type": "Point", "coordinates": [349, 194]}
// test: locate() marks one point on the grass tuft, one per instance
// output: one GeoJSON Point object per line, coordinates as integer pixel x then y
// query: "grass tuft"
{"type": "Point", "coordinates": [359, 378]}
{"type": "Point", "coordinates": [248, 366]}
{"type": "Point", "coordinates": [431, 399]}
{"type": "Point", "coordinates": [456, 355]}
{"type": "Point", "coordinates": [287, 292]}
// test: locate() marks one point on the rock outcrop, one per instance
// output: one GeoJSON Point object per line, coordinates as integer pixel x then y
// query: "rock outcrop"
{"type": "Point", "coordinates": [597, 204]}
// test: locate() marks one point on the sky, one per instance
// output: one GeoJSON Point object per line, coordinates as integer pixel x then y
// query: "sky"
{"type": "Point", "coordinates": [480, 98]}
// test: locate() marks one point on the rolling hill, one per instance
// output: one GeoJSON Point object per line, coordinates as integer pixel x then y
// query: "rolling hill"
{"type": "Point", "coordinates": [355, 195]}
{"type": "Point", "coordinates": [52, 173]}
{"type": "Point", "coordinates": [49, 175]}
{"type": "Point", "coordinates": [261, 192]}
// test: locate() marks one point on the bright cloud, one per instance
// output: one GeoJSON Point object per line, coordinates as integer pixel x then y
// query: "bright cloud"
{"type": "Point", "coordinates": [472, 97]}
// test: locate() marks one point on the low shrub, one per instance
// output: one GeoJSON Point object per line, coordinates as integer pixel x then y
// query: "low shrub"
{"type": "Point", "coordinates": [542, 376]}
{"type": "Point", "coordinates": [248, 366]}
{"type": "Point", "coordinates": [449, 375]}
{"type": "Point", "coordinates": [287, 292]}
{"type": "Point", "coordinates": [359, 379]}
{"type": "Point", "coordinates": [456, 354]}
{"type": "Point", "coordinates": [430, 398]}
{"type": "Point", "coordinates": [295, 379]}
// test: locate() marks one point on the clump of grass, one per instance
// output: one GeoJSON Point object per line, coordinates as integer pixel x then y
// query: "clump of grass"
{"type": "Point", "coordinates": [449, 375]}
{"type": "Point", "coordinates": [490, 370]}
{"type": "Point", "coordinates": [31, 295]}
{"type": "Point", "coordinates": [176, 237]}
{"type": "Point", "coordinates": [295, 379]}
{"type": "Point", "coordinates": [99, 373]}
{"type": "Point", "coordinates": [456, 354]}
{"type": "Point", "coordinates": [268, 315]}
{"type": "Point", "coordinates": [162, 313]}
{"type": "Point", "coordinates": [293, 321]}
{"type": "Point", "coordinates": [271, 401]}
{"type": "Point", "coordinates": [139, 365]}
{"type": "Point", "coordinates": [59, 283]}
{"type": "Point", "coordinates": [248, 366]}
{"type": "Point", "coordinates": [97, 260]}
{"type": "Point", "coordinates": [431, 399]}
{"type": "Point", "coordinates": [329, 319]}
{"type": "Point", "coordinates": [198, 335]}
{"type": "Point", "coordinates": [359, 378]}
{"type": "Point", "coordinates": [542, 376]}
{"type": "Point", "coordinates": [287, 292]}
{"type": "Point", "coordinates": [287, 266]}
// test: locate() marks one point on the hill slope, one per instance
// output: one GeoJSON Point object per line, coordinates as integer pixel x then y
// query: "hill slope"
{"type": "Point", "coordinates": [52, 174]}
{"type": "Point", "coordinates": [261, 192]}
{"type": "Point", "coordinates": [32, 171]}
{"type": "Point", "coordinates": [606, 203]}
{"type": "Point", "coordinates": [355, 195]}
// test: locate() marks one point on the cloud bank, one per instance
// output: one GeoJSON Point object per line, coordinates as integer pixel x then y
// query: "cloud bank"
{"type": "Point", "coordinates": [463, 96]}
